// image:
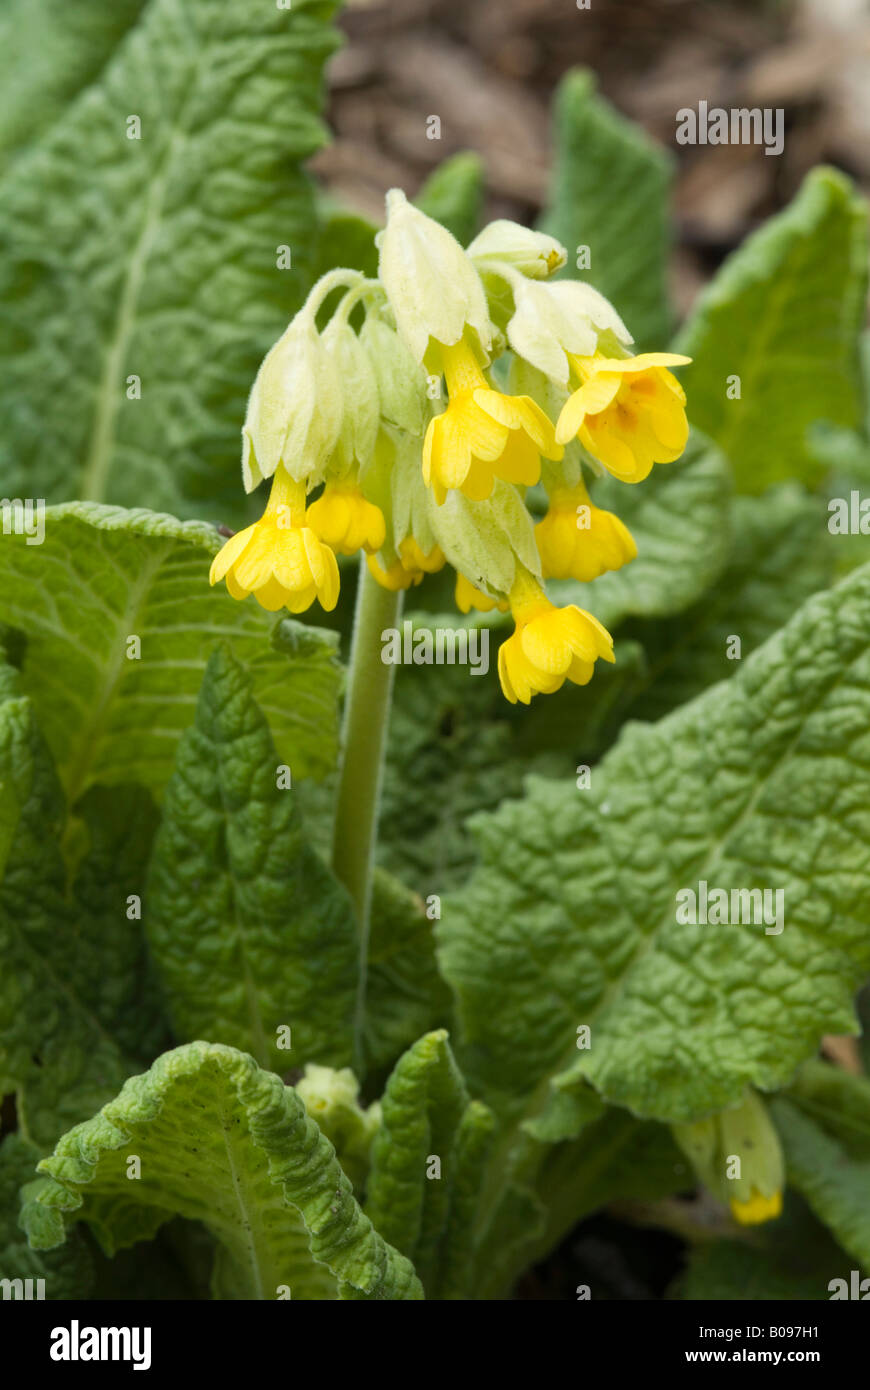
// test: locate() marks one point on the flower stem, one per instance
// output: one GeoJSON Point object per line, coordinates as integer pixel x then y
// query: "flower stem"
{"type": "Point", "coordinates": [366, 719]}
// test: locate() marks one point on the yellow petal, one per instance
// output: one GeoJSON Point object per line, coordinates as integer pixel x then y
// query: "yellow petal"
{"type": "Point", "coordinates": [229, 553]}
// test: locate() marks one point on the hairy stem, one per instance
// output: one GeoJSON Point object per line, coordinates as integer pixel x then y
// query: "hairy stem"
{"type": "Point", "coordinates": [366, 719]}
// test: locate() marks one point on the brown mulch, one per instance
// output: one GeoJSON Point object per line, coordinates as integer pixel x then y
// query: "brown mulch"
{"type": "Point", "coordinates": [488, 69]}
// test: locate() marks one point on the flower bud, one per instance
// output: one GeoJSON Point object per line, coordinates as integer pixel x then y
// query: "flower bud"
{"type": "Point", "coordinates": [487, 540]}
{"type": "Point", "coordinates": [294, 409]}
{"type": "Point", "coordinates": [432, 286]}
{"type": "Point", "coordinates": [401, 381]}
{"type": "Point", "coordinates": [531, 253]}
{"type": "Point", "coordinates": [360, 402]}
{"type": "Point", "coordinates": [331, 1098]}
{"type": "Point", "coordinates": [737, 1155]}
{"type": "Point", "coordinates": [543, 329]}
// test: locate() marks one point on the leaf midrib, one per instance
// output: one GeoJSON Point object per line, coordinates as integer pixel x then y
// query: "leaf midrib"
{"type": "Point", "coordinates": [95, 473]}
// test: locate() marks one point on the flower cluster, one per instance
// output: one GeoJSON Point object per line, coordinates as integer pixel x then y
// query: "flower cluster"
{"type": "Point", "coordinates": [394, 430]}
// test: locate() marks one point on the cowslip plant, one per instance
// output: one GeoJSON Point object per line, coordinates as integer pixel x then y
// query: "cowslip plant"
{"type": "Point", "coordinates": [327, 984]}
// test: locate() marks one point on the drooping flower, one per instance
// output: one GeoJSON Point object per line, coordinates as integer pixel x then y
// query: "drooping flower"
{"type": "Point", "coordinates": [757, 1208]}
{"type": "Point", "coordinates": [577, 540]}
{"type": "Point", "coordinates": [629, 412]}
{"type": "Point", "coordinates": [345, 520]}
{"type": "Point", "coordinates": [280, 559]}
{"type": "Point", "coordinates": [738, 1156]}
{"type": "Point", "coordinates": [468, 596]}
{"type": "Point", "coordinates": [409, 568]}
{"type": "Point", "coordinates": [549, 646]}
{"type": "Point", "coordinates": [483, 434]}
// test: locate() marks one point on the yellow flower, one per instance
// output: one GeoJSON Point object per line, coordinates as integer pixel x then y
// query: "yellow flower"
{"type": "Point", "coordinates": [577, 540]}
{"type": "Point", "coordinates": [346, 520]}
{"type": "Point", "coordinates": [550, 645]}
{"type": "Point", "coordinates": [468, 596]}
{"type": "Point", "coordinates": [409, 568]}
{"type": "Point", "coordinates": [483, 434]}
{"type": "Point", "coordinates": [628, 412]}
{"type": "Point", "coordinates": [279, 559]}
{"type": "Point", "coordinates": [757, 1209]}
{"type": "Point", "coordinates": [413, 558]}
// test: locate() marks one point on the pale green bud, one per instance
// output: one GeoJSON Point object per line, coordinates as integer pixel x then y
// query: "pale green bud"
{"type": "Point", "coordinates": [411, 505]}
{"type": "Point", "coordinates": [736, 1154]}
{"type": "Point", "coordinates": [294, 409]}
{"type": "Point", "coordinates": [332, 1100]}
{"type": "Point", "coordinates": [533, 254]}
{"type": "Point", "coordinates": [485, 541]}
{"type": "Point", "coordinates": [579, 300]}
{"type": "Point", "coordinates": [544, 329]}
{"type": "Point", "coordinates": [360, 402]}
{"type": "Point", "coordinates": [432, 286]}
{"type": "Point", "coordinates": [401, 381]}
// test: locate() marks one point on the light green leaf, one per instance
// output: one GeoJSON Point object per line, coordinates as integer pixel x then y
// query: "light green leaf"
{"type": "Point", "coordinates": [55, 1052]}
{"type": "Point", "coordinates": [68, 1272]}
{"type": "Point", "coordinates": [609, 193]}
{"type": "Point", "coordinates": [427, 1115]}
{"type": "Point", "coordinates": [453, 195]}
{"type": "Point", "coordinates": [784, 314]}
{"type": "Point", "coordinates": [251, 933]}
{"type": "Point", "coordinates": [823, 1121]}
{"type": "Point", "coordinates": [225, 1143]}
{"type": "Point", "coordinates": [157, 257]}
{"type": "Point", "coordinates": [781, 554]}
{"type": "Point", "coordinates": [571, 918]}
{"type": "Point", "coordinates": [104, 575]}
{"type": "Point", "coordinates": [55, 49]}
{"type": "Point", "coordinates": [680, 519]}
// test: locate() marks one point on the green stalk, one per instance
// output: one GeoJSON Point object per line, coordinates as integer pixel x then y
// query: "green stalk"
{"type": "Point", "coordinates": [366, 720]}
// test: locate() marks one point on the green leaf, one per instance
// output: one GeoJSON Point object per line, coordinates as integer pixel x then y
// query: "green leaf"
{"type": "Point", "coordinates": [118, 985]}
{"type": "Point", "coordinates": [157, 257]}
{"type": "Point", "coordinates": [405, 994]}
{"type": "Point", "coordinates": [225, 1143]}
{"type": "Point", "coordinates": [55, 1051]}
{"type": "Point", "coordinates": [781, 555]}
{"type": "Point", "coordinates": [250, 931]}
{"type": "Point", "coordinates": [453, 195]}
{"type": "Point", "coordinates": [542, 1190]}
{"type": "Point", "coordinates": [824, 1122]}
{"type": "Point", "coordinates": [609, 193]}
{"type": "Point", "coordinates": [55, 49]}
{"type": "Point", "coordinates": [784, 314]}
{"type": "Point", "coordinates": [68, 1272]}
{"type": "Point", "coordinates": [571, 918]}
{"type": "Point", "coordinates": [103, 575]}
{"type": "Point", "coordinates": [427, 1115]}
{"type": "Point", "coordinates": [680, 519]}
{"type": "Point", "coordinates": [449, 733]}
